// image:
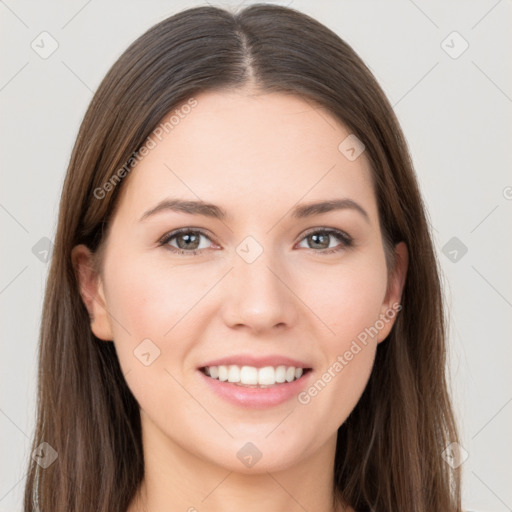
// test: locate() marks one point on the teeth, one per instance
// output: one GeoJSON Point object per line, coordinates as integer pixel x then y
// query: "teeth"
{"type": "Point", "coordinates": [223, 373]}
{"type": "Point", "coordinates": [234, 373]}
{"type": "Point", "coordinates": [251, 376]}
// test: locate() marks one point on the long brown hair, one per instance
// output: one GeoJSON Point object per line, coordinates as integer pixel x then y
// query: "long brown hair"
{"type": "Point", "coordinates": [389, 450]}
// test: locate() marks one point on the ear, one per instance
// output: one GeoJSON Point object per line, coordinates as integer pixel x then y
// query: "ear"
{"type": "Point", "coordinates": [391, 305]}
{"type": "Point", "coordinates": [91, 290]}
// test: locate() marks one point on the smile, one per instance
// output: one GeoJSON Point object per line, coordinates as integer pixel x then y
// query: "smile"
{"type": "Point", "coordinates": [256, 395]}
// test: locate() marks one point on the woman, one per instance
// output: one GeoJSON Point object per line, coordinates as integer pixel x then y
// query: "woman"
{"type": "Point", "coordinates": [243, 308]}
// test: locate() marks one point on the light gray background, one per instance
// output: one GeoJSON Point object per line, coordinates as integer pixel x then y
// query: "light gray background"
{"type": "Point", "coordinates": [455, 112]}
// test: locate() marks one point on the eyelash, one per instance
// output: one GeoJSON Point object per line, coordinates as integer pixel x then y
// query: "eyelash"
{"type": "Point", "coordinates": [346, 240]}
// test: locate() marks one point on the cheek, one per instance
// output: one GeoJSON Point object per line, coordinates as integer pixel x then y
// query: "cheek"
{"type": "Point", "coordinates": [163, 303]}
{"type": "Point", "coordinates": [148, 308]}
{"type": "Point", "coordinates": [347, 297]}
{"type": "Point", "coordinates": [154, 340]}
{"type": "Point", "coordinates": [150, 300]}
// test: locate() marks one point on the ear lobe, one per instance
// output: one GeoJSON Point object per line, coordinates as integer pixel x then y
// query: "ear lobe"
{"type": "Point", "coordinates": [91, 291]}
{"type": "Point", "coordinates": [391, 305]}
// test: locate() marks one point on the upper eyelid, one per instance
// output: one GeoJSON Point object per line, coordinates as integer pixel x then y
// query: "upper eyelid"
{"type": "Point", "coordinates": [332, 231]}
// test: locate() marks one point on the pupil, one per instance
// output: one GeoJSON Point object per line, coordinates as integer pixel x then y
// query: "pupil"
{"type": "Point", "coordinates": [316, 236]}
{"type": "Point", "coordinates": [188, 237]}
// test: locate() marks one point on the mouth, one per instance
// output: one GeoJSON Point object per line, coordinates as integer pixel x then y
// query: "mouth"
{"type": "Point", "coordinates": [254, 377]}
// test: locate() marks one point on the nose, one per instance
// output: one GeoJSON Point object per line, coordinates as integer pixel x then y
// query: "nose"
{"type": "Point", "coordinates": [259, 295]}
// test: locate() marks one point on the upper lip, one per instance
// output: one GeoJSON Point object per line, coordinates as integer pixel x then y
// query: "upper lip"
{"type": "Point", "coordinates": [258, 362]}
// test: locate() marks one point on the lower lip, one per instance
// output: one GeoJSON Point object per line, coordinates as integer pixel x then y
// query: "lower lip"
{"type": "Point", "coordinates": [257, 398]}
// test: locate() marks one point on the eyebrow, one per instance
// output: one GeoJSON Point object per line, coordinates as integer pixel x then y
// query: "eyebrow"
{"type": "Point", "coordinates": [216, 212]}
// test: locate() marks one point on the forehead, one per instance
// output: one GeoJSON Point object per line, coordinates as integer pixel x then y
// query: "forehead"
{"type": "Point", "coordinates": [259, 151]}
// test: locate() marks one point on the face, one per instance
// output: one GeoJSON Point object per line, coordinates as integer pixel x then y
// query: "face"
{"type": "Point", "coordinates": [268, 279]}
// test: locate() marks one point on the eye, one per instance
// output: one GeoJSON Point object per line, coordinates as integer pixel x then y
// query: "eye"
{"type": "Point", "coordinates": [188, 241]}
{"type": "Point", "coordinates": [321, 239]}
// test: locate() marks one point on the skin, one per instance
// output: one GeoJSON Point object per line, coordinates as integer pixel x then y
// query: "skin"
{"type": "Point", "coordinates": [257, 156]}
